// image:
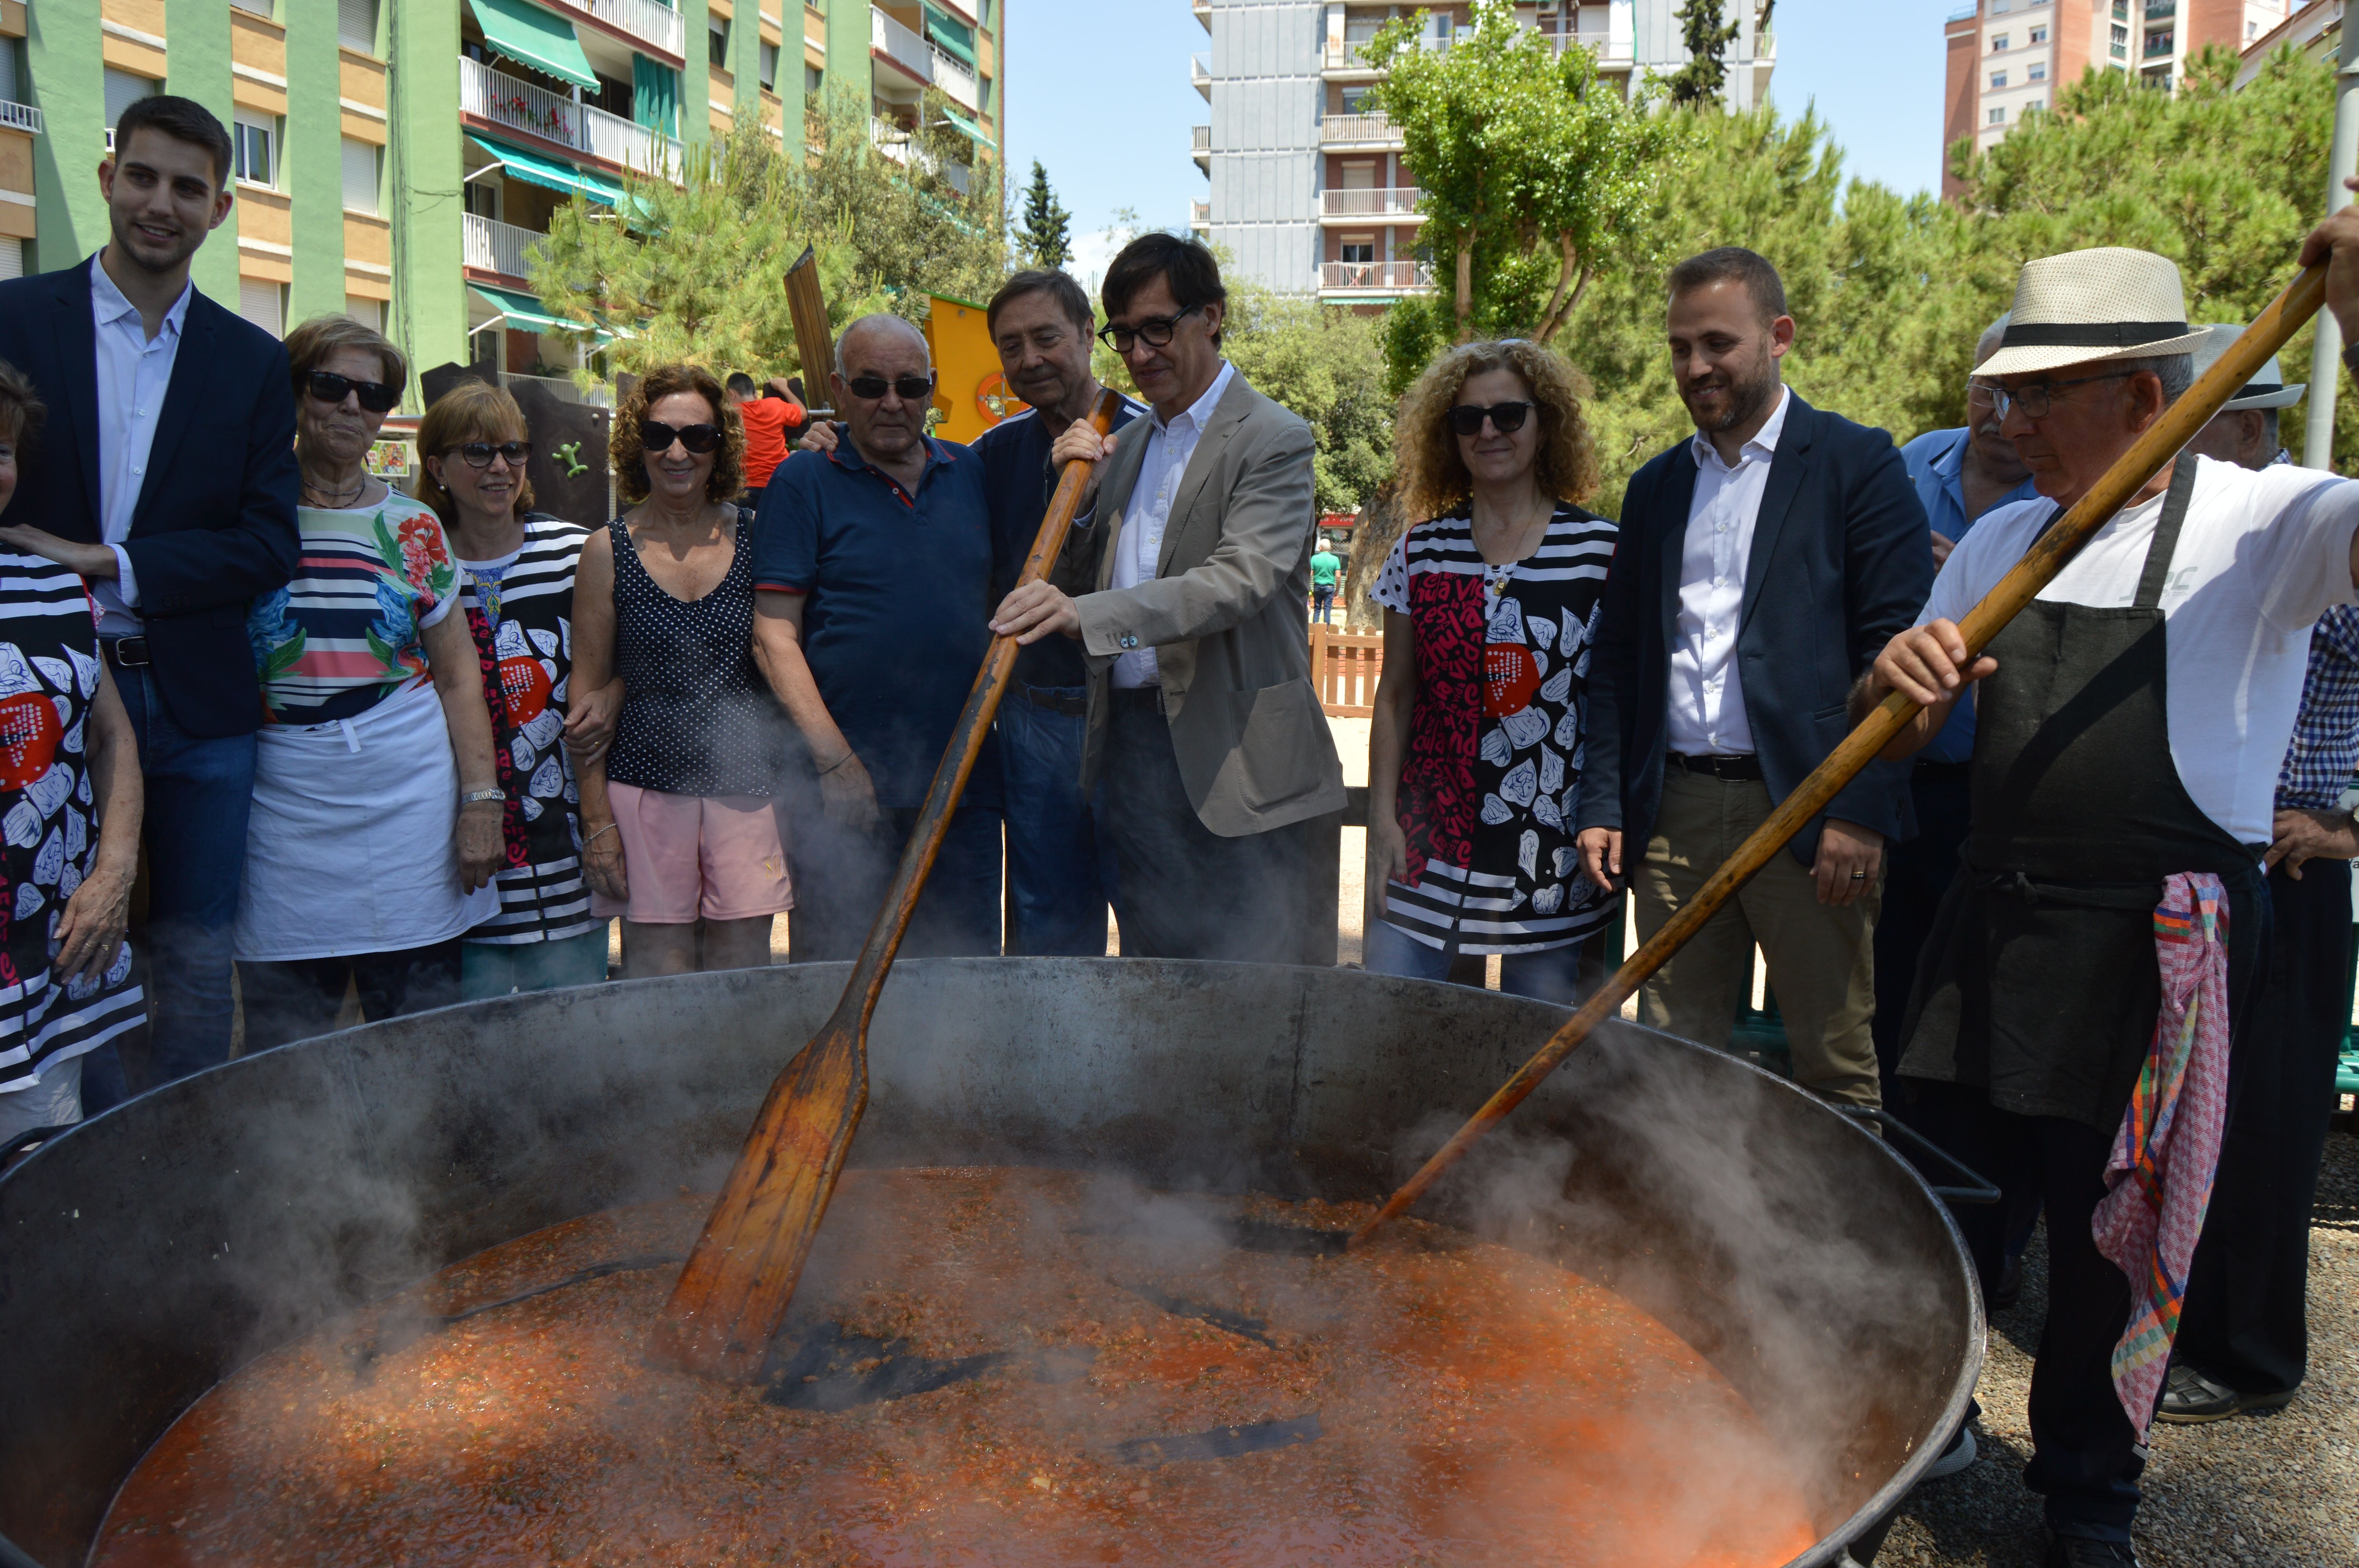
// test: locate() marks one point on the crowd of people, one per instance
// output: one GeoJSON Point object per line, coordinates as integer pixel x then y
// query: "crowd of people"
{"type": "Point", "coordinates": [425, 746]}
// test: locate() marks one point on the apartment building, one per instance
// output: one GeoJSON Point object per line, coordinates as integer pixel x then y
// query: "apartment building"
{"type": "Point", "coordinates": [2314, 29]}
{"type": "Point", "coordinates": [398, 158]}
{"type": "Point", "coordinates": [2005, 58]}
{"type": "Point", "coordinates": [1309, 191]}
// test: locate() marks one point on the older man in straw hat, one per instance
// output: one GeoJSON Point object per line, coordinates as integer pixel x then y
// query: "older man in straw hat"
{"type": "Point", "coordinates": [2131, 724]}
{"type": "Point", "coordinates": [2245, 431]}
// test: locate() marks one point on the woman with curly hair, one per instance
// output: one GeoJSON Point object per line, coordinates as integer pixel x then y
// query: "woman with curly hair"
{"type": "Point", "coordinates": [677, 833]}
{"type": "Point", "coordinates": [1475, 748]}
{"type": "Point", "coordinates": [375, 824]}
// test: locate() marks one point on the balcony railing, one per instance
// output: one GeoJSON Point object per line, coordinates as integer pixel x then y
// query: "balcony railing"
{"type": "Point", "coordinates": [1599, 44]}
{"type": "Point", "coordinates": [658, 24]}
{"type": "Point", "coordinates": [899, 45]}
{"type": "Point", "coordinates": [1399, 201]}
{"type": "Point", "coordinates": [1200, 75]}
{"type": "Point", "coordinates": [1357, 130]}
{"type": "Point", "coordinates": [1400, 274]}
{"type": "Point", "coordinates": [2160, 44]}
{"type": "Point", "coordinates": [1200, 138]}
{"type": "Point", "coordinates": [894, 143]}
{"type": "Point", "coordinates": [1200, 214]}
{"type": "Point", "coordinates": [955, 78]}
{"type": "Point", "coordinates": [495, 246]}
{"type": "Point", "coordinates": [24, 117]}
{"type": "Point", "coordinates": [505, 101]}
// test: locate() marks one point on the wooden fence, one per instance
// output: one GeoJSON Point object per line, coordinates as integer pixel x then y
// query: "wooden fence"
{"type": "Point", "coordinates": [1344, 666]}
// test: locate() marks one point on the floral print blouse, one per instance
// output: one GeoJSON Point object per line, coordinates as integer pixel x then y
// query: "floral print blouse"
{"type": "Point", "coordinates": [346, 632]}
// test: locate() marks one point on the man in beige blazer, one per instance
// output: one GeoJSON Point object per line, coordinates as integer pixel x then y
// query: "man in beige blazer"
{"type": "Point", "coordinates": [1185, 582]}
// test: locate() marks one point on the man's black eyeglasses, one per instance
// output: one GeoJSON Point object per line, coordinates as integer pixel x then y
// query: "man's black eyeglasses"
{"type": "Point", "coordinates": [656, 438]}
{"type": "Point", "coordinates": [912, 388]}
{"type": "Point", "coordinates": [1466, 418]}
{"type": "Point", "coordinates": [1155, 332]}
{"type": "Point", "coordinates": [479, 454]}
{"type": "Point", "coordinates": [2037, 399]}
{"type": "Point", "coordinates": [376, 397]}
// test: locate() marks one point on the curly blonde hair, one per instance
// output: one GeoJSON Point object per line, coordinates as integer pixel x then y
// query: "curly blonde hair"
{"type": "Point", "coordinates": [728, 460]}
{"type": "Point", "coordinates": [1434, 477]}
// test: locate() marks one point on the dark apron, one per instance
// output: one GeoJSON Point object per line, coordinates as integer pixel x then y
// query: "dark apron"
{"type": "Point", "coordinates": [2040, 982]}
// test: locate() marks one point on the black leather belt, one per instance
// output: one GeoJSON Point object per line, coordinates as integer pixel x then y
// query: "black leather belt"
{"type": "Point", "coordinates": [1071, 707]}
{"type": "Point", "coordinates": [1727, 769]}
{"type": "Point", "coordinates": [125, 653]}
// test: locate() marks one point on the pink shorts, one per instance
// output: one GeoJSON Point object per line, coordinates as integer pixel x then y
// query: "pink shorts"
{"type": "Point", "coordinates": [717, 856]}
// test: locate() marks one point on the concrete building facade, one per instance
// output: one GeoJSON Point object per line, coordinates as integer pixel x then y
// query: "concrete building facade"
{"type": "Point", "coordinates": [397, 159]}
{"type": "Point", "coordinates": [2006, 58]}
{"type": "Point", "coordinates": [1308, 188]}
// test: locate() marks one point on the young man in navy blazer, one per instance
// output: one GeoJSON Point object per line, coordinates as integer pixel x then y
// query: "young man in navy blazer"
{"type": "Point", "coordinates": [1763, 565]}
{"type": "Point", "coordinates": [168, 480]}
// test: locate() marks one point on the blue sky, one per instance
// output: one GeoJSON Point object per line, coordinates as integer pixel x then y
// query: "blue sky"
{"type": "Point", "coordinates": [1097, 91]}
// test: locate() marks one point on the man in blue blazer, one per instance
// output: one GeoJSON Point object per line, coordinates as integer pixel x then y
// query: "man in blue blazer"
{"type": "Point", "coordinates": [166, 478]}
{"type": "Point", "coordinates": [1763, 565]}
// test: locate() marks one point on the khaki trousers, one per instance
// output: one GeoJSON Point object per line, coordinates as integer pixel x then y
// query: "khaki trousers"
{"type": "Point", "coordinates": [1822, 957]}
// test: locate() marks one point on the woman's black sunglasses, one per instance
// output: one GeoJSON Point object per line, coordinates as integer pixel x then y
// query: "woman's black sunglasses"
{"type": "Point", "coordinates": [376, 397]}
{"type": "Point", "coordinates": [1466, 418]}
{"type": "Point", "coordinates": [869, 388]}
{"type": "Point", "coordinates": [479, 454]}
{"type": "Point", "coordinates": [656, 438]}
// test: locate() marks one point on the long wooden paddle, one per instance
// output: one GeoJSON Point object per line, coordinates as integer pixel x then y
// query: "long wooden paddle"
{"type": "Point", "coordinates": [733, 1293]}
{"type": "Point", "coordinates": [2039, 564]}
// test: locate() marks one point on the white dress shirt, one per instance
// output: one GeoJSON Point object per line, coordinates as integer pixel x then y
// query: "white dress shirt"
{"type": "Point", "coordinates": [1707, 697]}
{"type": "Point", "coordinates": [1160, 470]}
{"type": "Point", "coordinates": [134, 371]}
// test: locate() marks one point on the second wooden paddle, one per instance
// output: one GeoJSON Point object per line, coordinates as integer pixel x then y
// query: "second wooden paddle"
{"type": "Point", "coordinates": [733, 1293]}
{"type": "Point", "coordinates": [2038, 566]}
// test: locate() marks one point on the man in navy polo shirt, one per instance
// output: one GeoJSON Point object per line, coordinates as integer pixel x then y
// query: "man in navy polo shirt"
{"type": "Point", "coordinates": [873, 570]}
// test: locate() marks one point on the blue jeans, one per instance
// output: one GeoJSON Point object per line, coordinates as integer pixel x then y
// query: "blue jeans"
{"type": "Point", "coordinates": [199, 791]}
{"type": "Point", "coordinates": [1550, 976]}
{"type": "Point", "coordinates": [1061, 874]}
{"type": "Point", "coordinates": [1325, 602]}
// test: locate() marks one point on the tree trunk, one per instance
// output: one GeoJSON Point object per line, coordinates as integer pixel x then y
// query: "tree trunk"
{"type": "Point", "coordinates": [1381, 523]}
{"type": "Point", "coordinates": [1465, 290]}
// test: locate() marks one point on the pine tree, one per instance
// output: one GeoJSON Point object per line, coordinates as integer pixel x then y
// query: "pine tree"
{"type": "Point", "coordinates": [1707, 35]}
{"type": "Point", "coordinates": [1046, 236]}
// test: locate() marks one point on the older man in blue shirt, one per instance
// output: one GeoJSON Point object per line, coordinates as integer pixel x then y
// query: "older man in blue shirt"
{"type": "Point", "coordinates": [1958, 474]}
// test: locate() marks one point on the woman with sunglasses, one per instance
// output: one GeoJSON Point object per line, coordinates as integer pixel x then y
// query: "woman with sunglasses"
{"type": "Point", "coordinates": [375, 825]}
{"type": "Point", "coordinates": [679, 837]}
{"type": "Point", "coordinates": [516, 575]}
{"type": "Point", "coordinates": [1475, 747]}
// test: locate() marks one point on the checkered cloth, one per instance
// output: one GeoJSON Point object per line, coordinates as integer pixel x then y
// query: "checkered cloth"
{"type": "Point", "coordinates": [2325, 749]}
{"type": "Point", "coordinates": [2160, 1170]}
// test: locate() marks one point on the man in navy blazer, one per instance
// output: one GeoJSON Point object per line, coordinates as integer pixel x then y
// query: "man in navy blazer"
{"type": "Point", "coordinates": [1763, 564]}
{"type": "Point", "coordinates": [166, 478]}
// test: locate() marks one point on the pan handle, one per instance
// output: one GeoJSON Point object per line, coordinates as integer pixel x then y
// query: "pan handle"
{"type": "Point", "coordinates": [1976, 1189]}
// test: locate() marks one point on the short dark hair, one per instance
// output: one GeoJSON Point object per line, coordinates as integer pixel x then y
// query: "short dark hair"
{"type": "Point", "coordinates": [183, 120]}
{"type": "Point", "coordinates": [1733, 261]}
{"type": "Point", "coordinates": [741, 383]}
{"type": "Point", "coordinates": [21, 410]}
{"type": "Point", "coordinates": [1057, 285]}
{"type": "Point", "coordinates": [1186, 266]}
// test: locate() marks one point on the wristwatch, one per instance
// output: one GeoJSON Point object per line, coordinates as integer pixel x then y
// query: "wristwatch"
{"type": "Point", "coordinates": [473, 795]}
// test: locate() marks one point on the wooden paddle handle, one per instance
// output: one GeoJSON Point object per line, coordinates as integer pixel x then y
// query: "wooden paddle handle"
{"type": "Point", "coordinates": [807, 312]}
{"type": "Point", "coordinates": [2148, 456]}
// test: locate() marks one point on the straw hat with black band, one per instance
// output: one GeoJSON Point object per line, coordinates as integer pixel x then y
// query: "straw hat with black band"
{"type": "Point", "coordinates": [2266, 390]}
{"type": "Point", "coordinates": [2088, 307]}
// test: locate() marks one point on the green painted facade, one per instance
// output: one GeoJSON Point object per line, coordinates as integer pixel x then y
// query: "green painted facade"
{"type": "Point", "coordinates": [312, 164]}
{"type": "Point", "coordinates": [66, 83]}
{"type": "Point", "coordinates": [196, 65]}
{"type": "Point", "coordinates": [429, 317]}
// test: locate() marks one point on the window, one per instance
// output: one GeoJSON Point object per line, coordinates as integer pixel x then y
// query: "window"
{"type": "Point", "coordinates": [716, 41]}
{"type": "Point", "coordinates": [2120, 38]}
{"type": "Point", "coordinates": [1360, 249]}
{"type": "Point", "coordinates": [359, 175]}
{"type": "Point", "coordinates": [2038, 71]}
{"type": "Point", "coordinates": [2000, 7]}
{"type": "Point", "coordinates": [123, 89]}
{"type": "Point", "coordinates": [1998, 43]}
{"type": "Point", "coordinates": [2035, 103]}
{"type": "Point", "coordinates": [1999, 80]}
{"type": "Point", "coordinates": [369, 313]}
{"type": "Point", "coordinates": [1999, 115]}
{"type": "Point", "coordinates": [251, 136]}
{"type": "Point", "coordinates": [769, 67]}
{"type": "Point", "coordinates": [252, 7]}
{"type": "Point", "coordinates": [483, 196]}
{"type": "Point", "coordinates": [8, 71]}
{"type": "Point", "coordinates": [264, 304]}
{"type": "Point", "coordinates": [814, 79]}
{"type": "Point", "coordinates": [12, 259]}
{"type": "Point", "coordinates": [1355, 100]}
{"type": "Point", "coordinates": [2038, 35]}
{"type": "Point", "coordinates": [356, 25]}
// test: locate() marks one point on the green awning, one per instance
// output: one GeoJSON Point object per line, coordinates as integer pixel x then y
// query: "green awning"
{"type": "Point", "coordinates": [969, 129]}
{"type": "Point", "coordinates": [525, 314]}
{"type": "Point", "coordinates": [549, 174]}
{"type": "Point", "coordinates": [542, 40]}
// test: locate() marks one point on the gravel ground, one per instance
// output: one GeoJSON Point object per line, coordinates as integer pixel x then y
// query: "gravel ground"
{"type": "Point", "coordinates": [2279, 1491]}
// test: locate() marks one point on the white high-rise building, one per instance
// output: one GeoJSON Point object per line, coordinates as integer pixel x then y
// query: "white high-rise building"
{"type": "Point", "coordinates": [1309, 189]}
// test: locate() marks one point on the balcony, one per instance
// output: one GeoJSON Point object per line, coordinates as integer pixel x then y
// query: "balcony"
{"type": "Point", "coordinates": [955, 78]}
{"type": "Point", "coordinates": [2161, 10]}
{"type": "Point", "coordinates": [1396, 203]}
{"type": "Point", "coordinates": [23, 117]}
{"type": "Point", "coordinates": [894, 141]}
{"type": "Point", "coordinates": [495, 246]}
{"type": "Point", "coordinates": [1199, 76]}
{"type": "Point", "coordinates": [1200, 139]}
{"type": "Point", "coordinates": [503, 99]}
{"type": "Point", "coordinates": [658, 24]}
{"type": "Point", "coordinates": [1375, 277]}
{"type": "Point", "coordinates": [1609, 54]}
{"type": "Point", "coordinates": [1357, 131]}
{"type": "Point", "coordinates": [889, 40]}
{"type": "Point", "coordinates": [2160, 45]}
{"type": "Point", "coordinates": [1200, 216]}
{"type": "Point", "coordinates": [1203, 12]}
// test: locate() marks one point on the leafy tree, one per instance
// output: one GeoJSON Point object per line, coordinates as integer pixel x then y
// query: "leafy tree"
{"type": "Point", "coordinates": [1325, 364]}
{"type": "Point", "coordinates": [1530, 168]}
{"type": "Point", "coordinates": [693, 271]}
{"type": "Point", "coordinates": [1707, 37]}
{"type": "Point", "coordinates": [1046, 233]}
